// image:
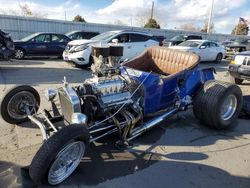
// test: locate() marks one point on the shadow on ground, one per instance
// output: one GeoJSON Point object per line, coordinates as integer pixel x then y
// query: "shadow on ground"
{"type": "Point", "coordinates": [103, 166]}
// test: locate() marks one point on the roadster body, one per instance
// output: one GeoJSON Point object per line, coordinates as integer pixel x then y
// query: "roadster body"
{"type": "Point", "coordinates": [128, 99]}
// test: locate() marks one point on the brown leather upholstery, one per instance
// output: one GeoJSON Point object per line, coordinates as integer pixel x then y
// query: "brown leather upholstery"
{"type": "Point", "coordinates": [163, 60]}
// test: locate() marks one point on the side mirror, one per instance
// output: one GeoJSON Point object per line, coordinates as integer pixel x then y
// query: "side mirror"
{"type": "Point", "coordinates": [202, 47]}
{"type": "Point", "coordinates": [115, 41]}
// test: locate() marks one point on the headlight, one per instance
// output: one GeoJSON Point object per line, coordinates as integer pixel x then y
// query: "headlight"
{"type": "Point", "coordinates": [80, 48]}
{"type": "Point", "coordinates": [50, 94]}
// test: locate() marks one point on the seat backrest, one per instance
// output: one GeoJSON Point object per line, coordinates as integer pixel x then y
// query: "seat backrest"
{"type": "Point", "coordinates": [172, 61]}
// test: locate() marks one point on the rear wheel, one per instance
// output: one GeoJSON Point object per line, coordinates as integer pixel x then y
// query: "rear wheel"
{"type": "Point", "coordinates": [218, 104]}
{"type": "Point", "coordinates": [16, 101]}
{"type": "Point", "coordinates": [60, 155]}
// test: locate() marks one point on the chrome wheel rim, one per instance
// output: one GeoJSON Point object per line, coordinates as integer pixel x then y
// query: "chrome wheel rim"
{"type": "Point", "coordinates": [17, 105]}
{"type": "Point", "coordinates": [19, 54]}
{"type": "Point", "coordinates": [66, 162]}
{"type": "Point", "coordinates": [228, 107]}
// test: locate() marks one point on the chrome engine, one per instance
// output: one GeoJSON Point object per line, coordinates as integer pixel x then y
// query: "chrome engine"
{"type": "Point", "coordinates": [110, 91]}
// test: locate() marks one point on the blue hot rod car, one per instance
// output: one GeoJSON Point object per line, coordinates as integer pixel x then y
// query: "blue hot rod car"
{"type": "Point", "coordinates": [127, 99]}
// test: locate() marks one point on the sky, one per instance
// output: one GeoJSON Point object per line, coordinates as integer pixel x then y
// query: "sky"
{"type": "Point", "coordinates": [170, 14]}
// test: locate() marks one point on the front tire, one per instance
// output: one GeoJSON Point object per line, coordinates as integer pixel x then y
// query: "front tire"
{"type": "Point", "coordinates": [218, 58]}
{"type": "Point", "coordinates": [218, 104]}
{"type": "Point", "coordinates": [19, 53]}
{"type": "Point", "coordinates": [60, 155]}
{"type": "Point", "coordinates": [234, 80]}
{"type": "Point", "coordinates": [14, 103]}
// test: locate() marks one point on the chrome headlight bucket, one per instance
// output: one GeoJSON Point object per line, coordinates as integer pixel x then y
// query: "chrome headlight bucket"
{"type": "Point", "coordinates": [50, 94]}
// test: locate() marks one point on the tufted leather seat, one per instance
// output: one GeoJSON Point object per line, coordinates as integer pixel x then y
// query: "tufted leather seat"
{"type": "Point", "coordinates": [165, 61]}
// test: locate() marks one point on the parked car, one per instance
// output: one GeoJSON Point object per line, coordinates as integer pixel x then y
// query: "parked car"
{"type": "Point", "coordinates": [207, 50]}
{"type": "Point", "coordinates": [179, 39]}
{"type": "Point", "coordinates": [127, 100]}
{"type": "Point", "coordinates": [239, 45]}
{"type": "Point", "coordinates": [134, 42]}
{"type": "Point", "coordinates": [41, 44]}
{"type": "Point", "coordinates": [75, 35]}
{"type": "Point", "coordinates": [239, 68]}
{"type": "Point", "coordinates": [6, 46]}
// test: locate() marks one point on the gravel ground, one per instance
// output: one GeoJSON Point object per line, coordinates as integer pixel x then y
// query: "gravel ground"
{"type": "Point", "coordinates": [179, 153]}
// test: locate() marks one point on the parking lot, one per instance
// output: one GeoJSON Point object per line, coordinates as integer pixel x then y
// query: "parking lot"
{"type": "Point", "coordinates": [178, 153]}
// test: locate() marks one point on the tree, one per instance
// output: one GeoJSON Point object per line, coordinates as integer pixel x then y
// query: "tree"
{"type": "Point", "coordinates": [240, 29]}
{"type": "Point", "coordinates": [211, 28]}
{"type": "Point", "coordinates": [190, 27]}
{"type": "Point", "coordinates": [152, 23]}
{"type": "Point", "coordinates": [78, 18]}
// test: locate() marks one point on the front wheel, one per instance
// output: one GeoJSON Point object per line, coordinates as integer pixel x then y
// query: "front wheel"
{"type": "Point", "coordinates": [17, 101]}
{"type": "Point", "coordinates": [234, 80]}
{"type": "Point", "coordinates": [218, 58]}
{"type": "Point", "coordinates": [218, 104]}
{"type": "Point", "coordinates": [60, 155]}
{"type": "Point", "coordinates": [19, 53]}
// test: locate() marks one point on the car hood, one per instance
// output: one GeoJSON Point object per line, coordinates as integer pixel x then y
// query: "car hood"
{"type": "Point", "coordinates": [81, 42]}
{"type": "Point", "coordinates": [185, 48]}
{"type": "Point", "coordinates": [246, 53]}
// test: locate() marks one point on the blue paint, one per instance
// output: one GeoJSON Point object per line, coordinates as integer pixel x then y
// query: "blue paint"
{"type": "Point", "coordinates": [161, 92]}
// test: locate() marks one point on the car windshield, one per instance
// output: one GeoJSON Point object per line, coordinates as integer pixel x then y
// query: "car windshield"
{"type": "Point", "coordinates": [29, 37]}
{"type": "Point", "coordinates": [178, 38]}
{"type": "Point", "coordinates": [70, 33]}
{"type": "Point", "coordinates": [105, 36]}
{"type": "Point", "coordinates": [240, 40]}
{"type": "Point", "coordinates": [190, 43]}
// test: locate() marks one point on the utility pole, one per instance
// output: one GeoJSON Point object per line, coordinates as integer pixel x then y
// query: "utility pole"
{"type": "Point", "coordinates": [210, 17]}
{"type": "Point", "coordinates": [152, 10]}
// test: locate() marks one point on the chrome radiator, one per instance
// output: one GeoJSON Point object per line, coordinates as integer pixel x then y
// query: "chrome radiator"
{"type": "Point", "coordinates": [69, 101]}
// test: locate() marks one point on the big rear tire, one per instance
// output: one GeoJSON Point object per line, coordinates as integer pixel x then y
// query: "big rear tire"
{"type": "Point", "coordinates": [14, 103]}
{"type": "Point", "coordinates": [217, 104]}
{"type": "Point", "coordinates": [60, 155]}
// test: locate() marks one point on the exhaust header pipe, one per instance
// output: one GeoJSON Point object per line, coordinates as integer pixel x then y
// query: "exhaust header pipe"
{"type": "Point", "coordinates": [152, 123]}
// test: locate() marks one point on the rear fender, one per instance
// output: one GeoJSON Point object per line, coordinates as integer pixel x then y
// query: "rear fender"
{"type": "Point", "coordinates": [194, 80]}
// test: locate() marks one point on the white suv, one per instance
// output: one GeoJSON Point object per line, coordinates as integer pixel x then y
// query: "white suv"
{"type": "Point", "coordinates": [239, 68]}
{"type": "Point", "coordinates": [134, 42]}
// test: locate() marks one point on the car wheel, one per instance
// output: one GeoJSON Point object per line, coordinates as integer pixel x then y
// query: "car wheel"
{"type": "Point", "coordinates": [91, 61]}
{"type": "Point", "coordinates": [217, 104]}
{"type": "Point", "coordinates": [15, 102]}
{"type": "Point", "coordinates": [19, 53]}
{"type": "Point", "coordinates": [234, 80]}
{"type": "Point", "coordinates": [60, 155]}
{"type": "Point", "coordinates": [219, 58]}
